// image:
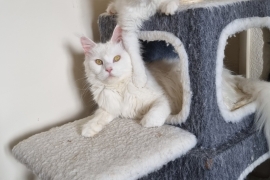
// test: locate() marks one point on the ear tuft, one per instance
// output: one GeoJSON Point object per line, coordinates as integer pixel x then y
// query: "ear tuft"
{"type": "Point", "coordinates": [87, 44]}
{"type": "Point", "coordinates": [117, 34]}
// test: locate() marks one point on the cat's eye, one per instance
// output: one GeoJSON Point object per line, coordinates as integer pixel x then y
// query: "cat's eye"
{"type": "Point", "coordinates": [99, 62]}
{"type": "Point", "coordinates": [116, 58]}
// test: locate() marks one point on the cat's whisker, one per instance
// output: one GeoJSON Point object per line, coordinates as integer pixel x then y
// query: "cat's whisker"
{"type": "Point", "coordinates": [83, 78]}
{"type": "Point", "coordinates": [85, 91]}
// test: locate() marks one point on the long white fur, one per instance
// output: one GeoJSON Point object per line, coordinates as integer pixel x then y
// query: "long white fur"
{"type": "Point", "coordinates": [258, 90]}
{"type": "Point", "coordinates": [115, 92]}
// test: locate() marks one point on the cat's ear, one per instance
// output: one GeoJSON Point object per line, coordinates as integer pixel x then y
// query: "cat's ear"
{"type": "Point", "coordinates": [117, 34]}
{"type": "Point", "coordinates": [87, 44]}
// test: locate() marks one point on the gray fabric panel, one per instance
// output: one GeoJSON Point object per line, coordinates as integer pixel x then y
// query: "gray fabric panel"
{"type": "Point", "coordinates": [199, 30]}
{"type": "Point", "coordinates": [106, 25]}
{"type": "Point", "coordinates": [226, 162]}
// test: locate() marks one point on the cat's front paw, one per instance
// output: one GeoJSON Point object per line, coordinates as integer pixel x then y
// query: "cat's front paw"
{"type": "Point", "coordinates": [91, 128]}
{"type": "Point", "coordinates": [111, 9]}
{"type": "Point", "coordinates": [88, 132]}
{"type": "Point", "coordinates": [169, 8]}
{"type": "Point", "coordinates": [151, 122]}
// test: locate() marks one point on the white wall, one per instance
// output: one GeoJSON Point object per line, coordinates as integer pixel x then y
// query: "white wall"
{"type": "Point", "coordinates": [41, 70]}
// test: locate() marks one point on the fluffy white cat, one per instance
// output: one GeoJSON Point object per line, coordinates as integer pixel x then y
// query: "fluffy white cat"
{"type": "Point", "coordinates": [109, 71]}
{"type": "Point", "coordinates": [130, 16]}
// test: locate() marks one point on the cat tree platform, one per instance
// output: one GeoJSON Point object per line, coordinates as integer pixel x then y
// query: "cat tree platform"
{"type": "Point", "coordinates": [227, 146]}
{"type": "Point", "coordinates": [123, 150]}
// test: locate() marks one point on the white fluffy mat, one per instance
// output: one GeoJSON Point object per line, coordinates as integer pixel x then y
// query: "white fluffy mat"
{"type": "Point", "coordinates": [123, 150]}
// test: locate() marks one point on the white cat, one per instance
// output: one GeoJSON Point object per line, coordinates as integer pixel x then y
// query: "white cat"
{"type": "Point", "coordinates": [109, 71]}
{"type": "Point", "coordinates": [130, 16]}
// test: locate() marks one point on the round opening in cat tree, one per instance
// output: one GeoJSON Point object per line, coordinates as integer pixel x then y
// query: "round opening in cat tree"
{"type": "Point", "coordinates": [159, 45]}
{"type": "Point", "coordinates": [234, 53]}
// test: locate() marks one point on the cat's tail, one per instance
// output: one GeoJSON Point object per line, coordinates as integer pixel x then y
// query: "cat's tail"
{"type": "Point", "coordinates": [179, 118]}
{"type": "Point", "coordinates": [262, 116]}
{"type": "Point", "coordinates": [260, 91]}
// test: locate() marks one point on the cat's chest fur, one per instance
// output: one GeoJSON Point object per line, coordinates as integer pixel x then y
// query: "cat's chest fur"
{"type": "Point", "coordinates": [125, 99]}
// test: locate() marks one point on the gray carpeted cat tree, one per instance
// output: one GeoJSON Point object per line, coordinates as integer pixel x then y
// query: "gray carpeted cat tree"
{"type": "Point", "coordinates": [227, 146]}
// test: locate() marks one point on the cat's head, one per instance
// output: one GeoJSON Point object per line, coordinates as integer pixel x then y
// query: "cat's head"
{"type": "Point", "coordinates": [108, 62]}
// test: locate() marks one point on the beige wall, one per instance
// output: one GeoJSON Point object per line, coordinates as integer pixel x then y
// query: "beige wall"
{"type": "Point", "coordinates": [256, 51]}
{"type": "Point", "coordinates": [259, 53]}
{"type": "Point", "coordinates": [41, 70]}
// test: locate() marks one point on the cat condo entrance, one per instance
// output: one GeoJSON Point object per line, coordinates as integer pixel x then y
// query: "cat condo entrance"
{"type": "Point", "coordinates": [161, 51]}
{"type": "Point", "coordinates": [247, 54]}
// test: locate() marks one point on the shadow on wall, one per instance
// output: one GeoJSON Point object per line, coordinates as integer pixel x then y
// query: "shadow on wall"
{"type": "Point", "coordinates": [96, 8]}
{"type": "Point", "coordinates": [30, 176]}
{"type": "Point", "coordinates": [81, 83]}
{"type": "Point", "coordinates": [266, 54]}
{"type": "Point", "coordinates": [82, 90]}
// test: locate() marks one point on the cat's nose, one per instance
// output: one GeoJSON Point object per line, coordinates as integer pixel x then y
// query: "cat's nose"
{"type": "Point", "coordinates": [109, 69]}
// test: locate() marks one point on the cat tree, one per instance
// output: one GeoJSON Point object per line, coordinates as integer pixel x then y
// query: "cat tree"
{"type": "Point", "coordinates": [228, 147]}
